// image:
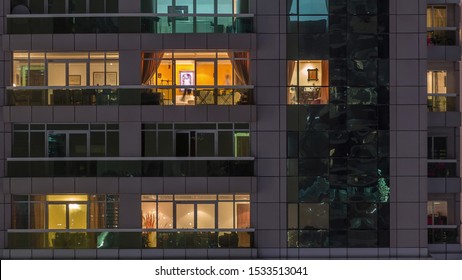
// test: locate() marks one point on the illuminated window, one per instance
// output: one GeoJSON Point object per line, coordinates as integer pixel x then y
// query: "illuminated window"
{"type": "Point", "coordinates": [308, 82]}
{"type": "Point", "coordinates": [437, 212]}
{"type": "Point", "coordinates": [187, 78]}
{"type": "Point", "coordinates": [65, 69]}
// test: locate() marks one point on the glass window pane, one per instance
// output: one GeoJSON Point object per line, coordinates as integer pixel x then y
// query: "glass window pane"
{"type": "Point", "coordinates": [112, 143]}
{"type": "Point", "coordinates": [225, 143]}
{"type": "Point", "coordinates": [165, 146]}
{"type": "Point", "coordinates": [97, 6]}
{"type": "Point", "coordinates": [20, 72]}
{"type": "Point", "coordinates": [78, 145]}
{"type": "Point", "coordinates": [162, 6]}
{"type": "Point", "coordinates": [149, 214]}
{"type": "Point", "coordinates": [314, 216]}
{"type": "Point", "coordinates": [97, 144]}
{"type": "Point", "coordinates": [292, 222]}
{"type": "Point", "coordinates": [20, 215]}
{"type": "Point", "coordinates": [205, 144]}
{"type": "Point", "coordinates": [37, 215]}
{"type": "Point", "coordinates": [185, 216]}
{"type": "Point", "coordinates": [206, 216]}
{"type": "Point", "coordinates": [182, 144]}
{"type": "Point", "coordinates": [242, 144]}
{"type": "Point", "coordinates": [56, 74]}
{"type": "Point", "coordinates": [56, 7]}
{"type": "Point", "coordinates": [164, 73]}
{"type": "Point", "coordinates": [313, 7]}
{"type": "Point", "coordinates": [225, 215]}
{"type": "Point", "coordinates": [205, 6]}
{"type": "Point", "coordinates": [97, 213]}
{"type": "Point", "coordinates": [36, 73]}
{"type": "Point", "coordinates": [97, 73]}
{"type": "Point", "coordinates": [38, 148]}
{"type": "Point", "coordinates": [112, 6]}
{"type": "Point", "coordinates": [224, 76]}
{"type": "Point", "coordinates": [205, 73]}
{"type": "Point", "coordinates": [77, 216]}
{"type": "Point", "coordinates": [165, 214]}
{"type": "Point", "coordinates": [20, 144]}
{"type": "Point", "coordinates": [57, 216]}
{"type": "Point", "coordinates": [77, 6]}
{"type": "Point", "coordinates": [149, 144]}
{"type": "Point", "coordinates": [37, 6]}
{"type": "Point", "coordinates": [57, 145]}
{"type": "Point", "coordinates": [77, 74]}
{"type": "Point", "coordinates": [225, 6]}
{"type": "Point", "coordinates": [242, 215]}
{"type": "Point", "coordinates": [112, 72]}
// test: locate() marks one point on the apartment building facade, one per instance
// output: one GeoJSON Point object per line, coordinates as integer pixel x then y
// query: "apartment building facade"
{"type": "Point", "coordinates": [185, 129]}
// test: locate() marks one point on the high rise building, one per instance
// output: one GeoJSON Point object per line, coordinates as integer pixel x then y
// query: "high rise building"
{"type": "Point", "coordinates": [181, 129]}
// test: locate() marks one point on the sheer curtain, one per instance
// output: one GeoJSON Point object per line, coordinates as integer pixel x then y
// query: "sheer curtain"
{"type": "Point", "coordinates": [241, 67]}
{"type": "Point", "coordinates": [325, 81]}
{"type": "Point", "coordinates": [149, 65]}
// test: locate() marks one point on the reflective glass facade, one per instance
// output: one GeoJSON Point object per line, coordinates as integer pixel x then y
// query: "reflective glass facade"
{"type": "Point", "coordinates": [338, 137]}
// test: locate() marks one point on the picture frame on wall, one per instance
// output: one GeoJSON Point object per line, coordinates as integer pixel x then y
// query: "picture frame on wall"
{"type": "Point", "coordinates": [75, 80]}
{"type": "Point", "coordinates": [98, 79]}
{"type": "Point", "coordinates": [187, 78]}
{"type": "Point", "coordinates": [111, 79]}
{"type": "Point", "coordinates": [313, 74]}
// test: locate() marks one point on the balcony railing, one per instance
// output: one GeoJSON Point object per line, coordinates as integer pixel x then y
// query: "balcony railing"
{"type": "Point", "coordinates": [129, 23]}
{"type": "Point", "coordinates": [444, 36]}
{"type": "Point", "coordinates": [130, 167]}
{"type": "Point", "coordinates": [442, 102]}
{"type": "Point", "coordinates": [166, 95]}
{"type": "Point", "coordinates": [130, 239]}
{"type": "Point", "coordinates": [442, 234]}
{"type": "Point", "coordinates": [442, 168]}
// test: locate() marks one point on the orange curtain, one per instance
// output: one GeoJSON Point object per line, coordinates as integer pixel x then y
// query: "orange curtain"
{"type": "Point", "coordinates": [241, 67]}
{"type": "Point", "coordinates": [325, 82]}
{"type": "Point", "coordinates": [149, 65]}
{"type": "Point", "coordinates": [290, 71]}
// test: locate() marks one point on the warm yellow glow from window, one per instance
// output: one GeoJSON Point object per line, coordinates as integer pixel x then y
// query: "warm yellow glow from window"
{"type": "Point", "coordinates": [66, 197]}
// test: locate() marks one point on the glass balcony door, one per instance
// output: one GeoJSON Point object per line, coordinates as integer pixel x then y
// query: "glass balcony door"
{"type": "Point", "coordinates": [196, 144]}
{"type": "Point", "coordinates": [68, 144]}
{"type": "Point", "coordinates": [67, 73]}
{"type": "Point", "coordinates": [67, 216]}
{"type": "Point", "coordinates": [195, 215]}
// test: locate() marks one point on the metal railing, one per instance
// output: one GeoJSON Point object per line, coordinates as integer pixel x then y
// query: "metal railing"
{"type": "Point", "coordinates": [130, 238]}
{"type": "Point", "coordinates": [438, 234]}
{"type": "Point", "coordinates": [442, 168]}
{"type": "Point", "coordinates": [442, 102]}
{"type": "Point", "coordinates": [131, 167]}
{"type": "Point", "coordinates": [130, 95]}
{"type": "Point", "coordinates": [129, 23]}
{"type": "Point", "coordinates": [443, 36]}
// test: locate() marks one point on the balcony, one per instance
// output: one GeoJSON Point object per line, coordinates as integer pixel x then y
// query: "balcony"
{"type": "Point", "coordinates": [166, 95]}
{"type": "Point", "coordinates": [442, 168]}
{"type": "Point", "coordinates": [442, 36]}
{"type": "Point", "coordinates": [442, 102]}
{"type": "Point", "coordinates": [130, 239]}
{"type": "Point", "coordinates": [128, 23]}
{"type": "Point", "coordinates": [439, 234]}
{"type": "Point", "coordinates": [131, 167]}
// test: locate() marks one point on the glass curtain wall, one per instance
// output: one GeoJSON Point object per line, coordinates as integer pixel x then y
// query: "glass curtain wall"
{"type": "Point", "coordinates": [338, 123]}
